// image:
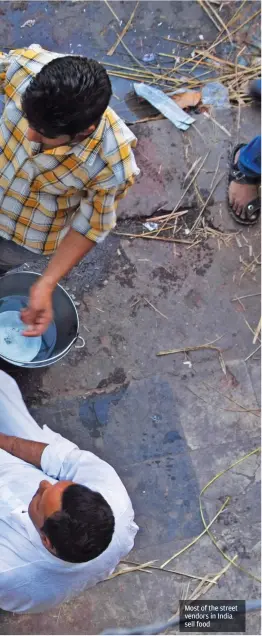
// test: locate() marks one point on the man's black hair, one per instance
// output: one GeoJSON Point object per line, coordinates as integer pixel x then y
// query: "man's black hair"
{"type": "Point", "coordinates": [83, 528]}
{"type": "Point", "coordinates": [68, 95]}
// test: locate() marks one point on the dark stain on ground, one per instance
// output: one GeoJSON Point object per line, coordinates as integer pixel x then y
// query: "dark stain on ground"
{"type": "Point", "coordinates": [118, 376]}
{"type": "Point", "coordinates": [164, 274]}
{"type": "Point", "coordinates": [77, 355]}
{"type": "Point", "coordinates": [117, 340]}
{"type": "Point", "coordinates": [171, 436]}
{"type": "Point", "coordinates": [94, 412]}
{"type": "Point", "coordinates": [19, 6]}
{"type": "Point", "coordinates": [171, 278]}
{"type": "Point", "coordinates": [193, 299]}
{"type": "Point", "coordinates": [127, 275]}
{"type": "Point", "coordinates": [228, 519]}
{"type": "Point", "coordinates": [202, 258]}
{"type": "Point", "coordinates": [95, 268]}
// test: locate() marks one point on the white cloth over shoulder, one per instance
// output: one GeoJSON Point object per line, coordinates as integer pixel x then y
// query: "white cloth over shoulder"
{"type": "Point", "coordinates": [31, 578]}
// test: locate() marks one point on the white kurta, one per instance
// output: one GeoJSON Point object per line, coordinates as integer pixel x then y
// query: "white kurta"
{"type": "Point", "coordinates": [31, 578]}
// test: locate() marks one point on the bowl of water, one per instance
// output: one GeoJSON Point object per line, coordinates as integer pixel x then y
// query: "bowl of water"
{"type": "Point", "coordinates": [57, 340]}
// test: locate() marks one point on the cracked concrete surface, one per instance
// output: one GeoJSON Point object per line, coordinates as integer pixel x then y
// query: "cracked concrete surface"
{"type": "Point", "coordinates": [168, 429]}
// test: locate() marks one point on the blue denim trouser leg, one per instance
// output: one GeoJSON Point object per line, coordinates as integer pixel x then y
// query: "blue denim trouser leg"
{"type": "Point", "coordinates": [249, 161]}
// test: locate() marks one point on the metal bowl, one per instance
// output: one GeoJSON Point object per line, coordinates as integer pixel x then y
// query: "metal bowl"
{"type": "Point", "coordinates": [65, 315]}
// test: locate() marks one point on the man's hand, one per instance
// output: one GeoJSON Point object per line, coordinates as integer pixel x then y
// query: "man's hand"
{"type": "Point", "coordinates": [39, 312]}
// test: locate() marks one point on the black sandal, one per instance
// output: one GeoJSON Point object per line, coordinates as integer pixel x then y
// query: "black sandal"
{"type": "Point", "coordinates": [251, 212]}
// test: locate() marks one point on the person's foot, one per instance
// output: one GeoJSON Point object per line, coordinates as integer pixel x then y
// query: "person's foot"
{"type": "Point", "coordinates": [240, 194]}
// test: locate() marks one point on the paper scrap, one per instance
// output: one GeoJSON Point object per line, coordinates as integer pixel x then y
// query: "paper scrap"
{"type": "Point", "coordinates": [165, 105]}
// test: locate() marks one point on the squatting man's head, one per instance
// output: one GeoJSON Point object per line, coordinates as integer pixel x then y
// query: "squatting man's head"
{"type": "Point", "coordinates": [66, 100]}
{"type": "Point", "coordinates": [74, 523]}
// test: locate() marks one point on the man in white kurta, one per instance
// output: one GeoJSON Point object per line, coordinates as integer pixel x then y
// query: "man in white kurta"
{"type": "Point", "coordinates": [32, 577]}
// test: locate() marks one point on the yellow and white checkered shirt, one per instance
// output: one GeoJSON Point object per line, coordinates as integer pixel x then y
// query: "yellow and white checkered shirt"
{"type": "Point", "coordinates": [42, 192]}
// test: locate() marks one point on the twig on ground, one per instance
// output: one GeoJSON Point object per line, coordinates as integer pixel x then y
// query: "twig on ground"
{"type": "Point", "coordinates": [208, 345]}
{"type": "Point", "coordinates": [236, 463]}
{"type": "Point", "coordinates": [246, 296]}
{"type": "Point", "coordinates": [207, 11]}
{"type": "Point", "coordinates": [251, 329]}
{"type": "Point", "coordinates": [219, 19]}
{"type": "Point", "coordinates": [145, 119]}
{"type": "Point", "coordinates": [187, 188]}
{"type": "Point", "coordinates": [235, 30]}
{"type": "Point", "coordinates": [153, 238]}
{"type": "Point", "coordinates": [165, 216]}
{"type": "Point", "coordinates": [153, 307]}
{"type": "Point", "coordinates": [189, 545]}
{"type": "Point", "coordinates": [215, 580]}
{"type": "Point", "coordinates": [113, 13]}
{"type": "Point", "coordinates": [196, 162]}
{"type": "Point", "coordinates": [245, 409]}
{"type": "Point", "coordinates": [220, 60]}
{"type": "Point", "coordinates": [136, 568]}
{"type": "Point", "coordinates": [252, 354]}
{"type": "Point", "coordinates": [194, 226]}
{"type": "Point", "coordinates": [208, 116]}
{"type": "Point", "coordinates": [257, 332]}
{"type": "Point", "coordinates": [200, 397]}
{"type": "Point", "coordinates": [249, 267]}
{"type": "Point", "coordinates": [125, 29]}
{"type": "Point", "coordinates": [234, 17]}
{"type": "Point", "coordinates": [160, 569]}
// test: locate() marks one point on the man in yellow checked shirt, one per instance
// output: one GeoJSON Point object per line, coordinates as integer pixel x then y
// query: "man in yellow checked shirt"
{"type": "Point", "coordinates": [65, 160]}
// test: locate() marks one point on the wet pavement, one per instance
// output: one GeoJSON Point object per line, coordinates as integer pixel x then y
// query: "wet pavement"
{"type": "Point", "coordinates": [167, 426]}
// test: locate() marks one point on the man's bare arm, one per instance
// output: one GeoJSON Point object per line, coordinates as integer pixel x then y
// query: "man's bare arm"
{"type": "Point", "coordinates": [40, 312]}
{"type": "Point", "coordinates": [70, 251]}
{"type": "Point", "coordinates": [25, 449]}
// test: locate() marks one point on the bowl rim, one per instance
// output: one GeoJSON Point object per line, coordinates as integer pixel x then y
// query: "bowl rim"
{"type": "Point", "coordinates": [58, 356]}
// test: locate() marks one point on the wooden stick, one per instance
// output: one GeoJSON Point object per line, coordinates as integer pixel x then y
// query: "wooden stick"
{"type": "Point", "coordinates": [153, 307]}
{"type": "Point", "coordinates": [219, 59]}
{"type": "Point", "coordinates": [219, 19]}
{"type": "Point", "coordinates": [125, 29]}
{"type": "Point", "coordinates": [186, 60]}
{"type": "Point", "coordinates": [183, 42]}
{"type": "Point", "coordinates": [192, 168]}
{"type": "Point", "coordinates": [216, 43]}
{"type": "Point", "coordinates": [129, 68]}
{"type": "Point", "coordinates": [142, 74]}
{"type": "Point", "coordinates": [153, 238]}
{"type": "Point", "coordinates": [174, 556]}
{"type": "Point", "coordinates": [208, 345]}
{"type": "Point", "coordinates": [187, 188]}
{"type": "Point", "coordinates": [203, 6]}
{"type": "Point", "coordinates": [218, 124]}
{"type": "Point", "coordinates": [206, 202]}
{"type": "Point", "coordinates": [112, 11]}
{"type": "Point", "coordinates": [237, 29]}
{"type": "Point", "coordinates": [257, 331]}
{"type": "Point", "coordinates": [145, 119]}
{"type": "Point", "coordinates": [166, 216]}
{"type": "Point", "coordinates": [252, 354]}
{"type": "Point", "coordinates": [249, 327]}
{"type": "Point", "coordinates": [188, 349]}
{"type": "Point", "coordinates": [157, 567]}
{"type": "Point", "coordinates": [244, 408]}
{"type": "Point", "coordinates": [246, 296]}
{"type": "Point", "coordinates": [234, 17]}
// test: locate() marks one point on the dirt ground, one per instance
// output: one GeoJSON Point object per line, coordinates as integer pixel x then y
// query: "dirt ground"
{"type": "Point", "coordinates": [167, 424]}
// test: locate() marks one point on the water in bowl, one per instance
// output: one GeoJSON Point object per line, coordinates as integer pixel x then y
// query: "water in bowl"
{"type": "Point", "coordinates": [16, 303]}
